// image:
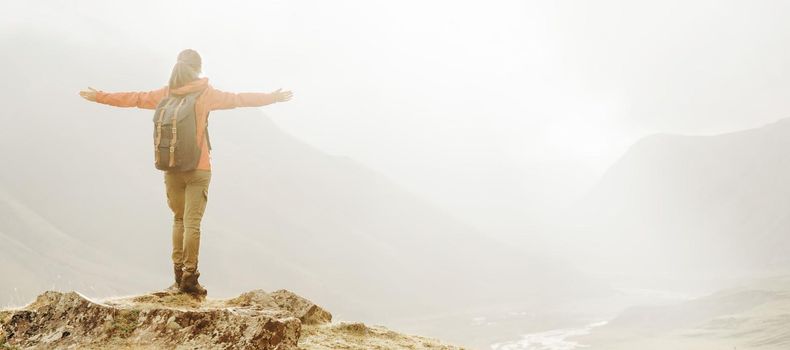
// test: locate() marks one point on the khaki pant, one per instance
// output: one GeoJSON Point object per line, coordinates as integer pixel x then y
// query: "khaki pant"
{"type": "Point", "coordinates": [187, 194]}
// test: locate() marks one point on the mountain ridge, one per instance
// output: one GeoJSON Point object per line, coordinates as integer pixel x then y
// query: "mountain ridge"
{"type": "Point", "coordinates": [670, 195]}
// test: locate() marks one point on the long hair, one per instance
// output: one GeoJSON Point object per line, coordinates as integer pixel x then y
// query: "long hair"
{"type": "Point", "coordinates": [186, 69]}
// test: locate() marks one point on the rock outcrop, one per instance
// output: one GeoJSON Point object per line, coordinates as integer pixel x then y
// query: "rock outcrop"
{"type": "Point", "coordinates": [278, 320]}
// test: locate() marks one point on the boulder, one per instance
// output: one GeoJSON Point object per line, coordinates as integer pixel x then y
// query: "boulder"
{"type": "Point", "coordinates": [62, 320]}
{"type": "Point", "coordinates": [301, 308]}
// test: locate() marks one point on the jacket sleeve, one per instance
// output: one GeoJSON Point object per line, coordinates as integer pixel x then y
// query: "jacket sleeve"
{"type": "Point", "coordinates": [218, 99]}
{"type": "Point", "coordinates": [140, 99]}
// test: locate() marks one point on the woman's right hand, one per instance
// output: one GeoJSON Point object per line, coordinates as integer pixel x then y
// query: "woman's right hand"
{"type": "Point", "coordinates": [282, 96]}
{"type": "Point", "coordinates": [89, 94]}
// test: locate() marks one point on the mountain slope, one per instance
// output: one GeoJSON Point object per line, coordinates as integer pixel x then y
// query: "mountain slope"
{"type": "Point", "coordinates": [750, 317]}
{"type": "Point", "coordinates": [35, 254]}
{"type": "Point", "coordinates": [695, 205]}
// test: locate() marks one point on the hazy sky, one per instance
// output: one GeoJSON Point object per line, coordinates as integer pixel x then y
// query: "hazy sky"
{"type": "Point", "coordinates": [498, 108]}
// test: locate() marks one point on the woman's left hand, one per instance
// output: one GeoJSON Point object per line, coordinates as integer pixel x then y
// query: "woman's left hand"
{"type": "Point", "coordinates": [282, 96]}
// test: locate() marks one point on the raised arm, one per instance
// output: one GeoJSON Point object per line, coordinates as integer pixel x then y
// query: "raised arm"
{"type": "Point", "coordinates": [218, 99]}
{"type": "Point", "coordinates": [139, 99]}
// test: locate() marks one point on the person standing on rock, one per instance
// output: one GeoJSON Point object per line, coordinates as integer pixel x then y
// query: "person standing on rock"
{"type": "Point", "coordinates": [181, 149]}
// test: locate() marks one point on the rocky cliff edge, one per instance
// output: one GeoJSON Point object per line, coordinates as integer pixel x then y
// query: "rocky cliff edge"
{"type": "Point", "coordinates": [163, 320]}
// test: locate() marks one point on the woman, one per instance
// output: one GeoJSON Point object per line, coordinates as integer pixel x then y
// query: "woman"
{"type": "Point", "coordinates": [187, 191]}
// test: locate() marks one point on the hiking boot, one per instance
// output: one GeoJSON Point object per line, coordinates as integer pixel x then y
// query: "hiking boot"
{"type": "Point", "coordinates": [189, 283]}
{"type": "Point", "coordinates": [177, 272]}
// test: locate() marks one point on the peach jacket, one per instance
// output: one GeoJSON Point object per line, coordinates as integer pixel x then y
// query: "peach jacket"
{"type": "Point", "coordinates": [211, 99]}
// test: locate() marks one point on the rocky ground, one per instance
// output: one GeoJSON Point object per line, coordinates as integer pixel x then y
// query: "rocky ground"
{"type": "Point", "coordinates": [164, 320]}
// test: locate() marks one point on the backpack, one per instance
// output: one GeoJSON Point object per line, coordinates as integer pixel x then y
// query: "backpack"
{"type": "Point", "coordinates": [175, 126]}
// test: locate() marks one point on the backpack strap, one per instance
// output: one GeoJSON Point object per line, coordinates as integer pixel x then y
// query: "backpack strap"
{"type": "Point", "coordinates": [174, 123]}
{"type": "Point", "coordinates": [208, 139]}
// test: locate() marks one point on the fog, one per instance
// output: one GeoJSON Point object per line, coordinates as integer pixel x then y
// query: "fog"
{"type": "Point", "coordinates": [515, 104]}
{"type": "Point", "coordinates": [569, 152]}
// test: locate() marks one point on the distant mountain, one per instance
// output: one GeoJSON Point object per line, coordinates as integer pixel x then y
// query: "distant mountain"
{"type": "Point", "coordinates": [694, 206]}
{"type": "Point", "coordinates": [752, 317]}
{"type": "Point", "coordinates": [36, 254]}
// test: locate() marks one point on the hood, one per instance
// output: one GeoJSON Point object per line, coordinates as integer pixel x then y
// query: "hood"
{"type": "Point", "coordinates": [192, 86]}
